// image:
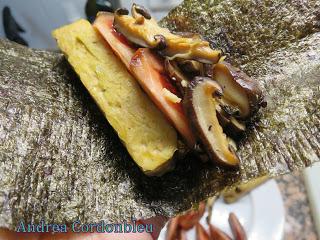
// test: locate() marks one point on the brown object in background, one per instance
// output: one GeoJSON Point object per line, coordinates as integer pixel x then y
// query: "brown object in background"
{"type": "Point", "coordinates": [172, 230]}
{"type": "Point", "coordinates": [182, 235]}
{"type": "Point", "coordinates": [201, 233]}
{"type": "Point", "coordinates": [217, 234]}
{"type": "Point", "coordinates": [97, 155]}
{"type": "Point", "coordinates": [236, 227]}
{"type": "Point", "coordinates": [191, 218]}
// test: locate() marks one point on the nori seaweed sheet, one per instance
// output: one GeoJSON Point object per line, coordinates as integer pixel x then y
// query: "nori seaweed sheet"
{"type": "Point", "coordinates": [247, 29]}
{"type": "Point", "coordinates": [61, 161]}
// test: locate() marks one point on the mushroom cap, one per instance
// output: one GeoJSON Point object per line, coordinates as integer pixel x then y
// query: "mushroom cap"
{"type": "Point", "coordinates": [143, 30]}
{"type": "Point", "coordinates": [238, 88]}
{"type": "Point", "coordinates": [200, 106]}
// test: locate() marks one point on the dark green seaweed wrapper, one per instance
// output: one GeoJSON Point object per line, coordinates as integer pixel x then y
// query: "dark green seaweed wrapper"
{"type": "Point", "coordinates": [247, 29]}
{"type": "Point", "coordinates": [61, 161]}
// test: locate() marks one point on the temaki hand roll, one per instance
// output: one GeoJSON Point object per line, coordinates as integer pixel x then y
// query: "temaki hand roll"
{"type": "Point", "coordinates": [165, 65]}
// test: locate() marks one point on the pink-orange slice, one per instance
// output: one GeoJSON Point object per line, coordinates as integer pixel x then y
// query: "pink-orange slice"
{"type": "Point", "coordinates": [148, 69]}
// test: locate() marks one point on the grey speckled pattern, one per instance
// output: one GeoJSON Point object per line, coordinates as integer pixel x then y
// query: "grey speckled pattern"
{"type": "Point", "coordinates": [60, 160]}
{"type": "Point", "coordinates": [56, 148]}
{"type": "Point", "coordinates": [298, 223]}
{"type": "Point", "coordinates": [247, 29]}
{"type": "Point", "coordinates": [278, 43]}
{"type": "Point", "coordinates": [288, 132]}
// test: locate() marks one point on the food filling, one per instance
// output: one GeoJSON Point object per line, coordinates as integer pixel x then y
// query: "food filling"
{"type": "Point", "coordinates": [206, 99]}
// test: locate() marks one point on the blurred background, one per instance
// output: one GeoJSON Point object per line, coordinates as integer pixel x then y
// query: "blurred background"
{"type": "Point", "coordinates": [30, 23]}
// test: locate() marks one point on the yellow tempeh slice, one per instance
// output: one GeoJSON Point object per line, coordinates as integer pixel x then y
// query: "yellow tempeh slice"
{"type": "Point", "coordinates": [148, 137]}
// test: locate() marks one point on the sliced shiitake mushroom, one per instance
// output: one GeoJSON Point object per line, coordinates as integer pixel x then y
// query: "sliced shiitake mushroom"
{"type": "Point", "coordinates": [189, 35]}
{"type": "Point", "coordinates": [239, 90]}
{"type": "Point", "coordinates": [223, 118]}
{"type": "Point", "coordinates": [232, 126]}
{"type": "Point", "coordinates": [192, 67]}
{"type": "Point", "coordinates": [122, 11]}
{"type": "Point", "coordinates": [140, 10]}
{"type": "Point", "coordinates": [176, 75]}
{"type": "Point", "coordinates": [207, 69]}
{"type": "Point", "coordinates": [145, 32]}
{"type": "Point", "coordinates": [200, 103]}
{"type": "Point", "coordinates": [236, 126]}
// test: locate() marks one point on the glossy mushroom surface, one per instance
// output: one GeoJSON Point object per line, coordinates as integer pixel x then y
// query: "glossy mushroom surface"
{"type": "Point", "coordinates": [178, 77]}
{"type": "Point", "coordinates": [200, 104]}
{"type": "Point", "coordinates": [239, 90]}
{"type": "Point", "coordinates": [145, 32]}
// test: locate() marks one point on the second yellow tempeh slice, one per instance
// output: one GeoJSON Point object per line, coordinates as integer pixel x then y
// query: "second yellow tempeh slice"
{"type": "Point", "coordinates": [147, 135]}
